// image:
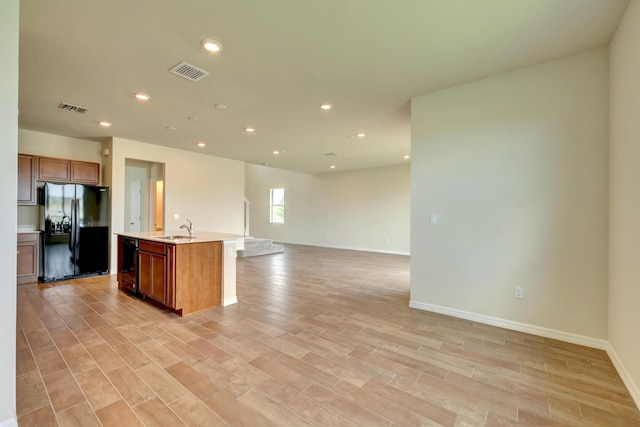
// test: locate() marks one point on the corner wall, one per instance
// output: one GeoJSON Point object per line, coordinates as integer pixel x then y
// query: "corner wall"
{"type": "Point", "coordinates": [624, 241]}
{"type": "Point", "coordinates": [516, 168]}
{"type": "Point", "coordinates": [9, 34]}
{"type": "Point", "coordinates": [363, 210]}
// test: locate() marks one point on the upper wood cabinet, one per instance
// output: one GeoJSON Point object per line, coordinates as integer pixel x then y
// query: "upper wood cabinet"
{"type": "Point", "coordinates": [27, 170]}
{"type": "Point", "coordinates": [35, 168]}
{"type": "Point", "coordinates": [63, 170]}
{"type": "Point", "coordinates": [85, 172]}
{"type": "Point", "coordinates": [54, 169]}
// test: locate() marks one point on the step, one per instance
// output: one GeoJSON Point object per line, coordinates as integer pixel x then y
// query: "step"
{"type": "Point", "coordinates": [253, 243]}
{"type": "Point", "coordinates": [255, 247]}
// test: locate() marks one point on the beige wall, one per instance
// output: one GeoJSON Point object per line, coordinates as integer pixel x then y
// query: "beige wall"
{"type": "Point", "coordinates": [624, 249]}
{"type": "Point", "coordinates": [206, 189]}
{"type": "Point", "coordinates": [64, 147]}
{"type": "Point", "coordinates": [516, 168]}
{"type": "Point", "coordinates": [366, 209]}
{"type": "Point", "coordinates": [9, 19]}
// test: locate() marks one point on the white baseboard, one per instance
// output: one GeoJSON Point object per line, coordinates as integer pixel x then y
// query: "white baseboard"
{"type": "Point", "coordinates": [349, 248]}
{"type": "Point", "coordinates": [226, 302]}
{"type": "Point", "coordinates": [633, 388]}
{"type": "Point", "coordinates": [516, 326]}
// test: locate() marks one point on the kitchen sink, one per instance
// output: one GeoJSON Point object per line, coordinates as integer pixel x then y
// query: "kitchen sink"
{"type": "Point", "coordinates": [176, 237]}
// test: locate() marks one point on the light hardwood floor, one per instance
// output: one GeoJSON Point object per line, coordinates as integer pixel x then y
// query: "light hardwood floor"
{"type": "Point", "coordinates": [320, 337]}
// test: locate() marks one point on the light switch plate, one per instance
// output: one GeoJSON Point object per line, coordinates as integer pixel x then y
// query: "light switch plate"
{"type": "Point", "coordinates": [176, 216]}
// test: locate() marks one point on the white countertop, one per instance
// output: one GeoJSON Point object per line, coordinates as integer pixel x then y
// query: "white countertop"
{"type": "Point", "coordinates": [198, 236]}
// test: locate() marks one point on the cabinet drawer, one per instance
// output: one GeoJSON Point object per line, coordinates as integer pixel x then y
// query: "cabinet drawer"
{"type": "Point", "coordinates": [153, 247]}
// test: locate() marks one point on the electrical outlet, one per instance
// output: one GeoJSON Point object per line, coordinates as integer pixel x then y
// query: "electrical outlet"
{"type": "Point", "coordinates": [519, 293]}
{"type": "Point", "coordinates": [434, 219]}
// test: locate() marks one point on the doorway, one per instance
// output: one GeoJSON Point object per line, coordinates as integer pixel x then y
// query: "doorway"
{"type": "Point", "coordinates": [144, 198]}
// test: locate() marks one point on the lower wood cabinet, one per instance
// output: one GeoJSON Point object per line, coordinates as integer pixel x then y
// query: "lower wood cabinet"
{"type": "Point", "coordinates": [154, 275]}
{"type": "Point", "coordinates": [28, 257]}
{"type": "Point", "coordinates": [183, 277]}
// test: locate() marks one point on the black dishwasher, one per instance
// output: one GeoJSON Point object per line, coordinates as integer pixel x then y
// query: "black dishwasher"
{"type": "Point", "coordinates": [129, 264]}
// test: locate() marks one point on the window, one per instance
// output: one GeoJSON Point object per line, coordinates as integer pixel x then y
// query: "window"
{"type": "Point", "coordinates": [277, 205]}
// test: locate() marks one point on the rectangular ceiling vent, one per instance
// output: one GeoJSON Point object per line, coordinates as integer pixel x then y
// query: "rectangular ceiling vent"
{"type": "Point", "coordinates": [72, 108]}
{"type": "Point", "coordinates": [189, 72]}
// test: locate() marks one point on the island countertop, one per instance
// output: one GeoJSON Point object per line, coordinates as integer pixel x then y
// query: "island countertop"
{"type": "Point", "coordinates": [198, 236]}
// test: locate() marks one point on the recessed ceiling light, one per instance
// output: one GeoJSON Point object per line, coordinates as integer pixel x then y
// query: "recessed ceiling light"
{"type": "Point", "coordinates": [201, 144]}
{"type": "Point", "coordinates": [143, 96]}
{"type": "Point", "coordinates": [407, 157]}
{"type": "Point", "coordinates": [326, 106]}
{"type": "Point", "coordinates": [193, 119]}
{"type": "Point", "coordinates": [171, 128]}
{"type": "Point", "coordinates": [250, 129]}
{"type": "Point", "coordinates": [360, 135]}
{"type": "Point", "coordinates": [212, 45]}
{"type": "Point", "coordinates": [276, 152]}
{"type": "Point", "coordinates": [104, 124]}
{"type": "Point", "coordinates": [221, 106]}
{"type": "Point", "coordinates": [332, 166]}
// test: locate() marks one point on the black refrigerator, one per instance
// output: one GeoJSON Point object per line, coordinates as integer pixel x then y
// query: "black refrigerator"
{"type": "Point", "coordinates": [74, 226]}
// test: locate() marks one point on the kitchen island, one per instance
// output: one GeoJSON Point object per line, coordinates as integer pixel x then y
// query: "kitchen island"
{"type": "Point", "coordinates": [181, 273]}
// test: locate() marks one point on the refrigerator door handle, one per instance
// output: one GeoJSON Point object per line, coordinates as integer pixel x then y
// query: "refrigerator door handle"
{"type": "Point", "coordinates": [74, 225]}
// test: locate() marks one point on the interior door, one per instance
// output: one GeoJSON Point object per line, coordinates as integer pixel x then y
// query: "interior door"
{"type": "Point", "coordinates": [135, 207]}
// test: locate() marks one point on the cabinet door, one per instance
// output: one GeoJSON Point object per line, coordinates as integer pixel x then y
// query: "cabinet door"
{"type": "Point", "coordinates": [27, 258]}
{"type": "Point", "coordinates": [85, 172]}
{"type": "Point", "coordinates": [152, 280]}
{"type": "Point", "coordinates": [54, 169]}
{"type": "Point", "coordinates": [27, 168]}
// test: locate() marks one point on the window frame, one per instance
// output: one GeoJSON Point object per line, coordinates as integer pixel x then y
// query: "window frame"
{"type": "Point", "coordinates": [273, 219]}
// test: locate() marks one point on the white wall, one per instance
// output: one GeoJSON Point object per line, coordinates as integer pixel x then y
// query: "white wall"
{"type": "Point", "coordinates": [206, 189]}
{"type": "Point", "coordinates": [9, 19]}
{"type": "Point", "coordinates": [624, 248]}
{"type": "Point", "coordinates": [516, 168]}
{"type": "Point", "coordinates": [50, 145]}
{"type": "Point", "coordinates": [366, 209]}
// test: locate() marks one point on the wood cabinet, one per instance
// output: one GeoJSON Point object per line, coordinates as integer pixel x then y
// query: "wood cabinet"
{"type": "Point", "coordinates": [73, 171]}
{"type": "Point", "coordinates": [184, 277]}
{"type": "Point", "coordinates": [27, 170]}
{"type": "Point", "coordinates": [85, 172]}
{"type": "Point", "coordinates": [28, 259]}
{"type": "Point", "coordinates": [154, 275]}
{"type": "Point", "coordinates": [58, 170]}
{"type": "Point", "coordinates": [34, 168]}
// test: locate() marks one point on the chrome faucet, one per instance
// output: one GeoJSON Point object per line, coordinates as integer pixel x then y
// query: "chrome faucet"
{"type": "Point", "coordinates": [189, 227]}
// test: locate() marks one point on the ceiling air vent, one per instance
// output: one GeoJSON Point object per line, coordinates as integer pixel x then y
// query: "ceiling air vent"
{"type": "Point", "coordinates": [189, 72]}
{"type": "Point", "coordinates": [331, 154]}
{"type": "Point", "coordinates": [72, 108]}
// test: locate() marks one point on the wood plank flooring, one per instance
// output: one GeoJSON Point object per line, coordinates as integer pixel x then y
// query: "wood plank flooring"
{"type": "Point", "coordinates": [320, 337]}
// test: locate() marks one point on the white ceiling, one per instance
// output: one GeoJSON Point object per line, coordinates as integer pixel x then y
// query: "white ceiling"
{"type": "Point", "coordinates": [281, 60]}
